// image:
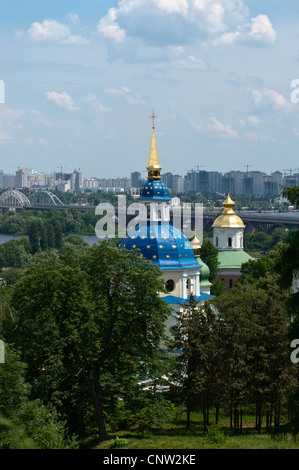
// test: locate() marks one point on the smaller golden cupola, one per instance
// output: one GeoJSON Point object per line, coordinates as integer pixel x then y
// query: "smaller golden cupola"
{"type": "Point", "coordinates": [195, 243]}
{"type": "Point", "coordinates": [228, 219]}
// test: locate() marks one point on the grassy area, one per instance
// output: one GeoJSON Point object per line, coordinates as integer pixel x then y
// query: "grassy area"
{"type": "Point", "coordinates": [174, 435]}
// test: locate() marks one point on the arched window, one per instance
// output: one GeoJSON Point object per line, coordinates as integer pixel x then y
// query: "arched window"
{"type": "Point", "coordinates": [230, 283]}
{"type": "Point", "coordinates": [216, 241]}
{"type": "Point", "coordinates": [170, 285]}
{"type": "Point", "coordinates": [241, 241]}
{"type": "Point", "coordinates": [229, 242]}
{"type": "Point", "coordinates": [159, 214]}
{"type": "Point", "coordinates": [188, 284]}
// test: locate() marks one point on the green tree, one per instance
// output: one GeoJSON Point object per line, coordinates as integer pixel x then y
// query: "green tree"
{"type": "Point", "coordinates": [34, 237]}
{"type": "Point", "coordinates": [44, 239]}
{"type": "Point", "coordinates": [254, 350]}
{"type": "Point", "coordinates": [209, 255]}
{"type": "Point", "coordinates": [88, 324]}
{"type": "Point", "coordinates": [292, 194]}
{"type": "Point", "coordinates": [50, 236]}
{"type": "Point", "coordinates": [58, 235]}
{"type": "Point", "coordinates": [24, 423]}
{"type": "Point", "coordinates": [195, 344]}
{"type": "Point", "coordinates": [15, 253]}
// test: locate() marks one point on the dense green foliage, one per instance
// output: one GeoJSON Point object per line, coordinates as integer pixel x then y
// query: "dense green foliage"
{"type": "Point", "coordinates": [70, 221]}
{"type": "Point", "coordinates": [26, 423]}
{"type": "Point", "coordinates": [83, 327]}
{"type": "Point", "coordinates": [87, 326]}
{"type": "Point", "coordinates": [263, 242]}
{"type": "Point", "coordinates": [209, 255]}
{"type": "Point", "coordinates": [236, 355]}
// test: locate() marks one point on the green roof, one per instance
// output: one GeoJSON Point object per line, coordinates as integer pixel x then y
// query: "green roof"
{"type": "Point", "coordinates": [231, 259]}
{"type": "Point", "coordinates": [204, 273]}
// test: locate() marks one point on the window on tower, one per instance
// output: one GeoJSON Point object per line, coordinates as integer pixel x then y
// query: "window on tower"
{"type": "Point", "coordinates": [229, 241]}
{"type": "Point", "coordinates": [170, 285]}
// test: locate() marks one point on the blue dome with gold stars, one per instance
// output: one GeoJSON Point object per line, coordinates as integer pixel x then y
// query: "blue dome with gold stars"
{"type": "Point", "coordinates": [155, 190]}
{"type": "Point", "coordinates": [163, 244]}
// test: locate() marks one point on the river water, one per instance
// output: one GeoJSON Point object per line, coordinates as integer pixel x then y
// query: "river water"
{"type": "Point", "coordinates": [91, 239]}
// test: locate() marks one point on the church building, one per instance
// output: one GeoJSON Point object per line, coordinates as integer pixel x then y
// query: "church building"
{"type": "Point", "coordinates": [164, 244]}
{"type": "Point", "coordinates": [228, 236]}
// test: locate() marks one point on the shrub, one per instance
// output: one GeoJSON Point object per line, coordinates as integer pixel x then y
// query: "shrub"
{"type": "Point", "coordinates": [216, 435]}
{"type": "Point", "coordinates": [117, 443]}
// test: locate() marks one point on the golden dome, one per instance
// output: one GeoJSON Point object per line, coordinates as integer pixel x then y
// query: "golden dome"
{"type": "Point", "coordinates": [195, 243]}
{"type": "Point", "coordinates": [228, 218]}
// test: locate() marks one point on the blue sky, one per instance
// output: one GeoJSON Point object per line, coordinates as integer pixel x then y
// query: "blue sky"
{"type": "Point", "coordinates": [82, 76]}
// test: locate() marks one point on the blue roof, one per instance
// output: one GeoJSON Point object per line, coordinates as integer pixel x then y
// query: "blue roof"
{"type": "Point", "coordinates": [171, 299]}
{"type": "Point", "coordinates": [154, 190]}
{"type": "Point", "coordinates": [163, 244]}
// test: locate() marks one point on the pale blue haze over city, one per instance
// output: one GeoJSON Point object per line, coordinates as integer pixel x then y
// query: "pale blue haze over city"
{"type": "Point", "coordinates": [81, 78]}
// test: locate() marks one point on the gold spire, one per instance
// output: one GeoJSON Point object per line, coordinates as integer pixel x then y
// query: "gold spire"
{"type": "Point", "coordinates": [228, 218]}
{"type": "Point", "coordinates": [154, 168]}
{"type": "Point", "coordinates": [228, 205]}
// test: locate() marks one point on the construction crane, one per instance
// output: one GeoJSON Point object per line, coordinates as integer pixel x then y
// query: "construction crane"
{"type": "Point", "coordinates": [247, 166]}
{"type": "Point", "coordinates": [288, 169]}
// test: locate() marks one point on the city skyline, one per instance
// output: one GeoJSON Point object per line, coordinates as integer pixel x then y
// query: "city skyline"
{"type": "Point", "coordinates": [193, 181]}
{"type": "Point", "coordinates": [82, 77]}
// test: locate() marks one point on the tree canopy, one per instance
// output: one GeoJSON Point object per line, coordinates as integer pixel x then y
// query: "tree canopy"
{"type": "Point", "coordinates": [95, 320]}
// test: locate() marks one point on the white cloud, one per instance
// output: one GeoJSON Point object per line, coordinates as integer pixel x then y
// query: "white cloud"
{"type": "Point", "coordinates": [178, 22]}
{"type": "Point", "coordinates": [73, 18]}
{"type": "Point", "coordinates": [254, 120]}
{"type": "Point", "coordinates": [117, 91]}
{"type": "Point", "coordinates": [8, 115]}
{"type": "Point", "coordinates": [75, 39]}
{"type": "Point", "coordinates": [63, 100]}
{"type": "Point", "coordinates": [191, 63]}
{"type": "Point", "coordinates": [170, 22]}
{"type": "Point", "coordinates": [126, 92]}
{"type": "Point", "coordinates": [53, 31]}
{"type": "Point", "coordinates": [38, 118]}
{"type": "Point", "coordinates": [269, 100]}
{"type": "Point", "coordinates": [253, 136]}
{"type": "Point", "coordinates": [19, 33]}
{"type": "Point", "coordinates": [48, 30]}
{"type": "Point", "coordinates": [92, 101]}
{"type": "Point", "coordinates": [224, 129]}
{"type": "Point", "coordinates": [258, 32]}
{"type": "Point", "coordinates": [108, 27]}
{"type": "Point", "coordinates": [4, 137]}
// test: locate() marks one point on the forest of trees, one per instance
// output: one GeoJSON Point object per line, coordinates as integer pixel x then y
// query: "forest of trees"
{"type": "Point", "coordinates": [83, 328]}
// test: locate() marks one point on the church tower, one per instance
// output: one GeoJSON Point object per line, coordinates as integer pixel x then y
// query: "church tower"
{"type": "Point", "coordinates": [228, 238]}
{"type": "Point", "coordinates": [161, 242]}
